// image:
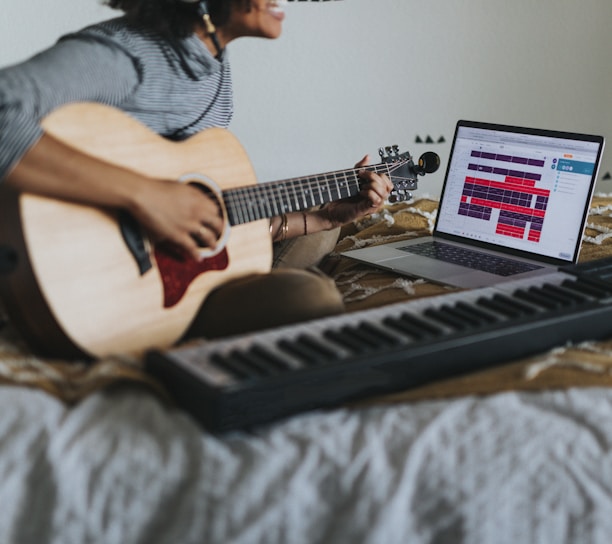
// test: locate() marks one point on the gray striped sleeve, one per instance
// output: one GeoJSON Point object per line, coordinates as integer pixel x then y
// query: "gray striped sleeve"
{"type": "Point", "coordinates": [70, 71]}
{"type": "Point", "coordinates": [174, 90]}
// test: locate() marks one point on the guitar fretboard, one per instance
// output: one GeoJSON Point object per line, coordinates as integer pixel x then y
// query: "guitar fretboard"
{"type": "Point", "coordinates": [246, 204]}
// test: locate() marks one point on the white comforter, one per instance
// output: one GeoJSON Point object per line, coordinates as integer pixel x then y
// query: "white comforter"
{"type": "Point", "coordinates": [123, 468]}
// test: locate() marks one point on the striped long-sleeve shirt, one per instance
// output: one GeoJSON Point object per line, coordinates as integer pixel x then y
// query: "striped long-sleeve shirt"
{"type": "Point", "coordinates": [175, 91]}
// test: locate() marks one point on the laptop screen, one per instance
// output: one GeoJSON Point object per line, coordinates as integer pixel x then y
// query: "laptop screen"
{"type": "Point", "coordinates": [524, 191]}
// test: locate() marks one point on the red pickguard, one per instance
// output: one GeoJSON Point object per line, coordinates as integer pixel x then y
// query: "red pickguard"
{"type": "Point", "coordinates": [178, 271]}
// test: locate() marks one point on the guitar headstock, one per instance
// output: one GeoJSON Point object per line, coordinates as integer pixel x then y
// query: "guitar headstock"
{"type": "Point", "coordinates": [403, 172]}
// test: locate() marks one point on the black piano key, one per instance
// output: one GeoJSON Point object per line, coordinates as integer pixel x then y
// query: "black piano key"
{"type": "Point", "coordinates": [312, 343]}
{"type": "Point", "coordinates": [481, 315]}
{"type": "Point", "coordinates": [303, 354]}
{"type": "Point", "coordinates": [424, 328]}
{"type": "Point", "coordinates": [405, 327]}
{"type": "Point", "coordinates": [252, 361]}
{"type": "Point", "coordinates": [525, 309]}
{"type": "Point", "coordinates": [604, 286]}
{"type": "Point", "coordinates": [349, 339]}
{"type": "Point", "coordinates": [464, 314]}
{"type": "Point", "coordinates": [430, 329]}
{"type": "Point", "coordinates": [362, 336]}
{"type": "Point", "coordinates": [533, 297]}
{"type": "Point", "coordinates": [269, 358]}
{"type": "Point", "coordinates": [446, 318]}
{"type": "Point", "coordinates": [563, 291]}
{"type": "Point", "coordinates": [382, 337]}
{"type": "Point", "coordinates": [233, 366]}
{"type": "Point", "coordinates": [562, 299]}
{"type": "Point", "coordinates": [500, 307]}
{"type": "Point", "coordinates": [586, 287]}
{"type": "Point", "coordinates": [305, 349]}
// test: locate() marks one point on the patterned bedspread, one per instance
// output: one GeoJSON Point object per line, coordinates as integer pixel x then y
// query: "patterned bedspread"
{"type": "Point", "coordinates": [362, 287]}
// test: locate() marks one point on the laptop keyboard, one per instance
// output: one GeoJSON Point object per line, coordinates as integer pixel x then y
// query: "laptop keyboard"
{"type": "Point", "coordinates": [469, 258]}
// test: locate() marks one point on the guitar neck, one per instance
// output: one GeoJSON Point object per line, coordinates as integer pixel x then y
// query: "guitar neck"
{"type": "Point", "coordinates": [246, 204]}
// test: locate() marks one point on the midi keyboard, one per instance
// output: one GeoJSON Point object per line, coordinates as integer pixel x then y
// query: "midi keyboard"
{"type": "Point", "coordinates": [253, 379]}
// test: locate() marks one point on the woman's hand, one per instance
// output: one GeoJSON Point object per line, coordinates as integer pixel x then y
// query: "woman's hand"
{"type": "Point", "coordinates": [373, 194]}
{"type": "Point", "coordinates": [179, 213]}
{"type": "Point", "coordinates": [169, 210]}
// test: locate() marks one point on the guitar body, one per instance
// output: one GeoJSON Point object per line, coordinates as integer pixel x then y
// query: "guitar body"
{"type": "Point", "coordinates": [76, 288]}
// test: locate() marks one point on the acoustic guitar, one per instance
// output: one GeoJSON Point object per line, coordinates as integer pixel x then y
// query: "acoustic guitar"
{"type": "Point", "coordinates": [85, 281]}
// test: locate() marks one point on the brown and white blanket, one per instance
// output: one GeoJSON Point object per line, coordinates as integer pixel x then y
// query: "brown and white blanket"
{"type": "Point", "coordinates": [588, 364]}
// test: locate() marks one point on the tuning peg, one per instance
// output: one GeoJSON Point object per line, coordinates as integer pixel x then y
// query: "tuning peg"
{"type": "Point", "coordinates": [399, 195]}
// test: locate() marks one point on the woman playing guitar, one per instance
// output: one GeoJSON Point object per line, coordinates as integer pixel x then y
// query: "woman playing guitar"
{"type": "Point", "coordinates": [165, 64]}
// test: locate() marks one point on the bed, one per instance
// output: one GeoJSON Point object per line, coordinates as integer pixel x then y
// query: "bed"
{"type": "Point", "coordinates": [516, 453]}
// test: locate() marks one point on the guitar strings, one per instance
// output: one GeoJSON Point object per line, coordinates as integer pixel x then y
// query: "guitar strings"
{"type": "Point", "coordinates": [246, 204]}
{"type": "Point", "coordinates": [315, 181]}
{"type": "Point", "coordinates": [254, 202]}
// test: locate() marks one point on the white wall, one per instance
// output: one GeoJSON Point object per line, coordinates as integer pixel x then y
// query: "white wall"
{"type": "Point", "coordinates": [347, 77]}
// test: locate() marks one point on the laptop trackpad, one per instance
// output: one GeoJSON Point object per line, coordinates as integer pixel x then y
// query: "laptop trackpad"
{"type": "Point", "coordinates": [394, 259]}
{"type": "Point", "coordinates": [376, 254]}
{"type": "Point", "coordinates": [441, 272]}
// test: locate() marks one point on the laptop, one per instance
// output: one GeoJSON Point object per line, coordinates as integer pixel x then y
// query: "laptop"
{"type": "Point", "coordinates": [514, 205]}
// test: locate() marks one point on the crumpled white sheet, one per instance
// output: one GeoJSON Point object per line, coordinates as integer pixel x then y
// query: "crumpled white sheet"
{"type": "Point", "coordinates": [123, 468]}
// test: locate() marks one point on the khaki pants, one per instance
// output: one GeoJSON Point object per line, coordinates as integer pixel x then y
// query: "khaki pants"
{"type": "Point", "coordinates": [293, 291]}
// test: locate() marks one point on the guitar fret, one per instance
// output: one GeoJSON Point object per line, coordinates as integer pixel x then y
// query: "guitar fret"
{"type": "Point", "coordinates": [266, 202]}
{"type": "Point", "coordinates": [335, 188]}
{"type": "Point", "coordinates": [274, 200]}
{"type": "Point", "coordinates": [286, 200]}
{"type": "Point", "coordinates": [296, 199]}
{"type": "Point", "coordinates": [309, 193]}
{"type": "Point", "coordinates": [253, 204]}
{"type": "Point", "coordinates": [278, 199]}
{"type": "Point", "coordinates": [304, 194]}
{"type": "Point", "coordinates": [246, 203]}
{"type": "Point", "coordinates": [329, 193]}
{"type": "Point", "coordinates": [290, 198]}
{"type": "Point", "coordinates": [339, 185]}
{"type": "Point", "coordinates": [344, 184]}
{"type": "Point", "coordinates": [244, 212]}
{"type": "Point", "coordinates": [354, 182]}
{"type": "Point", "coordinates": [318, 186]}
{"type": "Point", "coordinates": [234, 204]}
{"type": "Point", "coordinates": [232, 211]}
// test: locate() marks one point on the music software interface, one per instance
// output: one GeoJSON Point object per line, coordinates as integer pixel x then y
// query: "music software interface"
{"type": "Point", "coordinates": [517, 190]}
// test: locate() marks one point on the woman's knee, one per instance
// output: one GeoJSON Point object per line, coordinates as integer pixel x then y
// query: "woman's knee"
{"type": "Point", "coordinates": [263, 301]}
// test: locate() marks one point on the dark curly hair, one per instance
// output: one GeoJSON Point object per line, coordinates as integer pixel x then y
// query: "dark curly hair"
{"type": "Point", "coordinates": [173, 18]}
